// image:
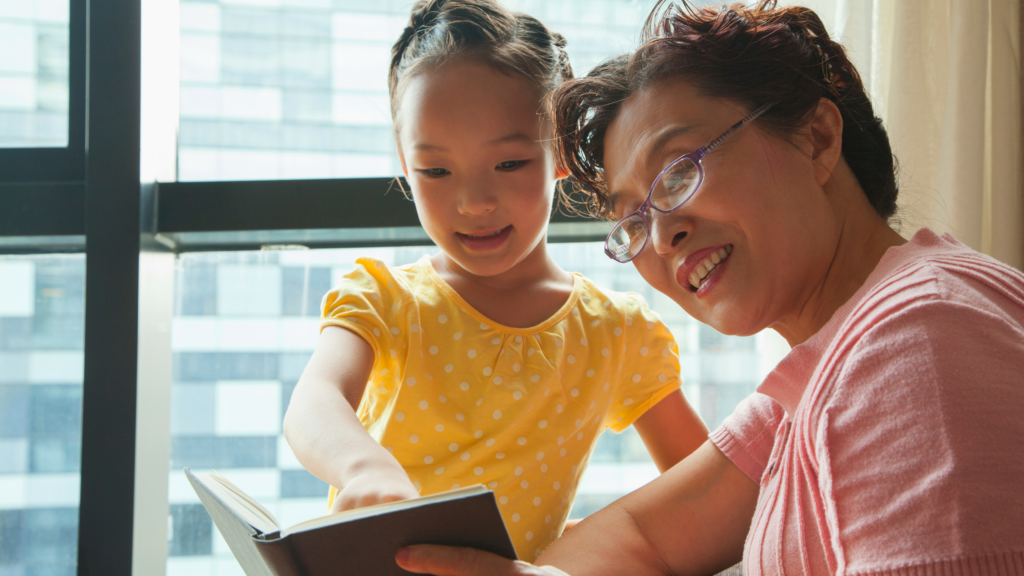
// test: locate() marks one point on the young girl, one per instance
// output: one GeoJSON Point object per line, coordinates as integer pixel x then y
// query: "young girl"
{"type": "Point", "coordinates": [486, 363]}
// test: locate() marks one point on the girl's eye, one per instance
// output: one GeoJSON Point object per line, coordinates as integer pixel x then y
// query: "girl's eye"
{"type": "Point", "coordinates": [510, 164]}
{"type": "Point", "coordinates": [435, 172]}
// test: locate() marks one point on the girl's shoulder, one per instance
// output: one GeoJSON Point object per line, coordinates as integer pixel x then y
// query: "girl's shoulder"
{"type": "Point", "coordinates": [370, 274]}
{"type": "Point", "coordinates": [598, 301]}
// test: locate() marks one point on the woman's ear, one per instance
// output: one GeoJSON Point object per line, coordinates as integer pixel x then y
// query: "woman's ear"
{"type": "Point", "coordinates": [826, 136]}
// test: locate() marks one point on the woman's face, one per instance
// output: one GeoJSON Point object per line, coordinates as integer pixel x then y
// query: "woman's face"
{"type": "Point", "coordinates": [759, 205]}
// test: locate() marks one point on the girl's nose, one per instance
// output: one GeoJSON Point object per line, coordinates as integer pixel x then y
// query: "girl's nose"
{"type": "Point", "coordinates": [477, 198]}
{"type": "Point", "coordinates": [668, 230]}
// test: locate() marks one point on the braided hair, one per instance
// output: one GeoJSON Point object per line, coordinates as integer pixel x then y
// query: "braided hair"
{"type": "Point", "coordinates": [750, 55]}
{"type": "Point", "coordinates": [514, 43]}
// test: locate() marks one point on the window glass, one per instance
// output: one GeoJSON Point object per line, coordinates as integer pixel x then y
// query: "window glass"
{"type": "Point", "coordinates": [299, 90]}
{"type": "Point", "coordinates": [42, 305]}
{"type": "Point", "coordinates": [34, 73]}
{"type": "Point", "coordinates": [245, 324]}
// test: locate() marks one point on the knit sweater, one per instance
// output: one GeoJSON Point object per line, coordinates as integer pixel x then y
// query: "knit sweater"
{"type": "Point", "coordinates": [892, 441]}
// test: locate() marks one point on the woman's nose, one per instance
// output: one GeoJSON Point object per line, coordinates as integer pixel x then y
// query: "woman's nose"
{"type": "Point", "coordinates": [667, 231]}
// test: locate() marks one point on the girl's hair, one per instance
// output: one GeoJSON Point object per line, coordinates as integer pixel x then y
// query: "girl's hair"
{"type": "Point", "coordinates": [514, 43]}
{"type": "Point", "coordinates": [750, 55]}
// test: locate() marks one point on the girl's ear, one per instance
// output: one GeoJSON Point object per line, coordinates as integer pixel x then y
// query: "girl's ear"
{"type": "Point", "coordinates": [401, 158]}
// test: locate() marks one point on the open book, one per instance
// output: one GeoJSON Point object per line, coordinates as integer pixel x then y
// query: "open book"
{"type": "Point", "coordinates": [361, 542]}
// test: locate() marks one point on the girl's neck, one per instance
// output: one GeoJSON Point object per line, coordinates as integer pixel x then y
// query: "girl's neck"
{"type": "Point", "coordinates": [521, 297]}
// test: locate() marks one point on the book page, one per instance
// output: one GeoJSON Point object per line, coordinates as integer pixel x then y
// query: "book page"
{"type": "Point", "coordinates": [250, 510]}
{"type": "Point", "coordinates": [357, 513]}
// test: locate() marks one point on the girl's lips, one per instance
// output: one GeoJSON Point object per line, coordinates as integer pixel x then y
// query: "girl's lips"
{"type": "Point", "coordinates": [488, 240]}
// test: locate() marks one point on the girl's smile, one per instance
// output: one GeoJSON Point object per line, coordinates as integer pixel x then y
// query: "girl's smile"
{"type": "Point", "coordinates": [486, 239]}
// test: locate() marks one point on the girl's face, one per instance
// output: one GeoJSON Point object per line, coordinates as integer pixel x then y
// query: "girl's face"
{"type": "Point", "coordinates": [470, 142]}
{"type": "Point", "coordinates": [759, 201]}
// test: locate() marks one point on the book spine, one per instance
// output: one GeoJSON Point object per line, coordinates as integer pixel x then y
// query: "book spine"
{"type": "Point", "coordinates": [279, 557]}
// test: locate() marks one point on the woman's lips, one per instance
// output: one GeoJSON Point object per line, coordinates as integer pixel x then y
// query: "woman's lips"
{"type": "Point", "coordinates": [701, 267]}
{"type": "Point", "coordinates": [485, 239]}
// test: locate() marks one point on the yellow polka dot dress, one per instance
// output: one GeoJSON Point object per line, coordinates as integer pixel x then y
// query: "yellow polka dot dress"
{"type": "Point", "coordinates": [461, 400]}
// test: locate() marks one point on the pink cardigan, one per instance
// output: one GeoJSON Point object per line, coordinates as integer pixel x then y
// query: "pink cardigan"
{"type": "Point", "coordinates": [892, 441]}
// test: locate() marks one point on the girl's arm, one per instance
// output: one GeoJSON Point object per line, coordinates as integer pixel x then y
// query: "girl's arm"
{"type": "Point", "coordinates": [326, 436]}
{"type": "Point", "coordinates": [671, 430]}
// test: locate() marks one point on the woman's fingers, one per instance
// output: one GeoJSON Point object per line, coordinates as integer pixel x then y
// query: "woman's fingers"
{"type": "Point", "coordinates": [453, 561]}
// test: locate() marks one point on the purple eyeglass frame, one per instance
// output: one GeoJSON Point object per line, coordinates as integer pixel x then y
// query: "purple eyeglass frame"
{"type": "Point", "coordinates": [696, 156]}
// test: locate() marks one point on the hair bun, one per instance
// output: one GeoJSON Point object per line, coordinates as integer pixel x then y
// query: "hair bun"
{"type": "Point", "coordinates": [560, 41]}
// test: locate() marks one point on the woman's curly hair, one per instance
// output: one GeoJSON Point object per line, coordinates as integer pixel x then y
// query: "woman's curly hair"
{"type": "Point", "coordinates": [750, 55]}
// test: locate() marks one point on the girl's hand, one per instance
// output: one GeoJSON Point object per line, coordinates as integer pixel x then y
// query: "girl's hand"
{"type": "Point", "coordinates": [451, 561]}
{"type": "Point", "coordinates": [374, 487]}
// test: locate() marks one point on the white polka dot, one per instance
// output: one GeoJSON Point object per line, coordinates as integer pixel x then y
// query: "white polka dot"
{"type": "Point", "coordinates": [595, 323]}
{"type": "Point", "coordinates": [618, 331]}
{"type": "Point", "coordinates": [574, 392]}
{"type": "Point", "coordinates": [503, 499]}
{"type": "Point", "coordinates": [534, 378]}
{"type": "Point", "coordinates": [442, 399]}
{"type": "Point", "coordinates": [529, 536]}
{"type": "Point", "coordinates": [382, 390]}
{"type": "Point", "coordinates": [547, 519]}
{"type": "Point", "coordinates": [579, 436]}
{"type": "Point", "coordinates": [439, 471]}
{"type": "Point", "coordinates": [458, 335]}
{"type": "Point", "coordinates": [629, 321]}
{"type": "Point", "coordinates": [384, 372]}
{"type": "Point", "coordinates": [515, 517]}
{"type": "Point", "coordinates": [423, 404]}
{"type": "Point", "coordinates": [561, 452]}
{"type": "Point", "coordinates": [414, 438]}
{"type": "Point", "coordinates": [516, 395]}
{"type": "Point", "coordinates": [460, 417]}
{"type": "Point", "coordinates": [487, 371]}
{"type": "Point", "coordinates": [543, 467]}
{"type": "Point", "coordinates": [399, 416]}
{"type": "Point", "coordinates": [478, 434]}
{"type": "Point", "coordinates": [665, 352]}
{"type": "Point", "coordinates": [536, 501]}
{"type": "Point", "coordinates": [492, 485]}
{"type": "Point", "coordinates": [571, 359]}
{"type": "Point", "coordinates": [414, 328]}
{"type": "Point", "coordinates": [376, 331]}
{"type": "Point", "coordinates": [428, 459]}
{"type": "Point", "coordinates": [439, 427]}
{"type": "Point", "coordinates": [524, 484]}
{"type": "Point", "coordinates": [627, 401]}
{"type": "Point", "coordinates": [479, 401]}
{"type": "Point", "coordinates": [650, 325]}
{"type": "Point", "coordinates": [530, 352]}
{"type": "Point", "coordinates": [583, 341]}
{"type": "Point", "coordinates": [442, 318]}
{"type": "Point", "coordinates": [497, 414]}
{"type": "Point", "coordinates": [606, 385]}
{"type": "Point", "coordinates": [499, 455]}
{"type": "Point", "coordinates": [636, 377]}
{"type": "Point", "coordinates": [561, 440]}
{"type": "Point", "coordinates": [643, 350]}
{"type": "Point", "coordinates": [558, 342]}
{"type": "Point", "coordinates": [464, 385]}
{"type": "Point", "coordinates": [542, 424]}
{"type": "Point", "coordinates": [662, 378]}
{"type": "Point", "coordinates": [410, 381]}
{"type": "Point", "coordinates": [540, 456]}
{"type": "Point", "coordinates": [455, 486]}
{"type": "Point", "coordinates": [490, 441]}
{"type": "Point", "coordinates": [417, 486]}
{"type": "Point", "coordinates": [516, 367]}
{"type": "Point", "coordinates": [471, 353]}
{"type": "Point", "coordinates": [448, 368]}
{"type": "Point", "coordinates": [521, 440]}
{"type": "Point", "coordinates": [389, 449]}
{"type": "Point", "coordinates": [453, 447]}
{"type": "Point", "coordinates": [393, 353]}
{"type": "Point", "coordinates": [433, 350]}
{"type": "Point", "coordinates": [518, 471]}
{"type": "Point", "coordinates": [559, 408]}
{"type": "Point", "coordinates": [465, 456]}
{"type": "Point", "coordinates": [395, 330]}
{"type": "Point", "coordinates": [575, 312]}
{"type": "Point", "coordinates": [579, 422]}
{"type": "Point", "coordinates": [497, 380]}
{"type": "Point", "coordinates": [495, 340]}
{"type": "Point", "coordinates": [478, 470]}
{"type": "Point", "coordinates": [484, 327]}
{"type": "Point", "coordinates": [574, 469]}
{"type": "Point", "coordinates": [557, 485]}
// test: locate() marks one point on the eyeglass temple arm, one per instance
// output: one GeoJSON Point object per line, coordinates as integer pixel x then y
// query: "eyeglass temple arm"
{"type": "Point", "coordinates": [725, 135]}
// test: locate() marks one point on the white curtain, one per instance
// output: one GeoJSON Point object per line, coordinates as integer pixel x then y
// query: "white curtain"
{"type": "Point", "coordinates": [945, 76]}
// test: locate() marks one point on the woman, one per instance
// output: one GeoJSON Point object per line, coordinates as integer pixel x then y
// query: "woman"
{"type": "Point", "coordinates": [890, 439]}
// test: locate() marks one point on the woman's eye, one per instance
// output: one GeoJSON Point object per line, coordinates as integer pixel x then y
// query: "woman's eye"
{"type": "Point", "coordinates": [510, 164]}
{"type": "Point", "coordinates": [435, 172]}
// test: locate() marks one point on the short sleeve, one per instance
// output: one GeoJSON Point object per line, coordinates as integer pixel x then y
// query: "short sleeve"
{"type": "Point", "coordinates": [747, 436]}
{"type": "Point", "coordinates": [650, 365]}
{"type": "Point", "coordinates": [366, 301]}
{"type": "Point", "coordinates": [922, 438]}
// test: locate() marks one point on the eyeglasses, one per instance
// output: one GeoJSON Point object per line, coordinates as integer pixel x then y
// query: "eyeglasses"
{"type": "Point", "coordinates": [671, 189]}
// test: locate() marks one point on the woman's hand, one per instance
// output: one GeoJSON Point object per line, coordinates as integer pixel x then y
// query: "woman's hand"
{"type": "Point", "coordinates": [452, 561]}
{"type": "Point", "coordinates": [375, 487]}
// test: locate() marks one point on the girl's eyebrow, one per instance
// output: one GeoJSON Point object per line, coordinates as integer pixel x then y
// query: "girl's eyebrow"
{"type": "Point", "coordinates": [429, 147]}
{"type": "Point", "coordinates": [514, 137]}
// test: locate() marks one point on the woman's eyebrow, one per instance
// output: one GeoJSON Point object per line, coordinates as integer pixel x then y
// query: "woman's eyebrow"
{"type": "Point", "coordinates": [666, 136]}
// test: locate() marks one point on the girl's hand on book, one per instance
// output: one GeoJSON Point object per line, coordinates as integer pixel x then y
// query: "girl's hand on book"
{"type": "Point", "coordinates": [372, 488]}
{"type": "Point", "coordinates": [453, 561]}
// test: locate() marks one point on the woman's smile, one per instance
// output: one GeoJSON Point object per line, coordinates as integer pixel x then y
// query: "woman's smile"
{"type": "Point", "coordinates": [701, 270]}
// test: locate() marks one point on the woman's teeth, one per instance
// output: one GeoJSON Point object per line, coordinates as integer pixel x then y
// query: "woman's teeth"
{"type": "Point", "coordinates": [707, 265]}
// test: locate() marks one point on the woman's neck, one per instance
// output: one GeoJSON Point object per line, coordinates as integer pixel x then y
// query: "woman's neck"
{"type": "Point", "coordinates": [863, 240]}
